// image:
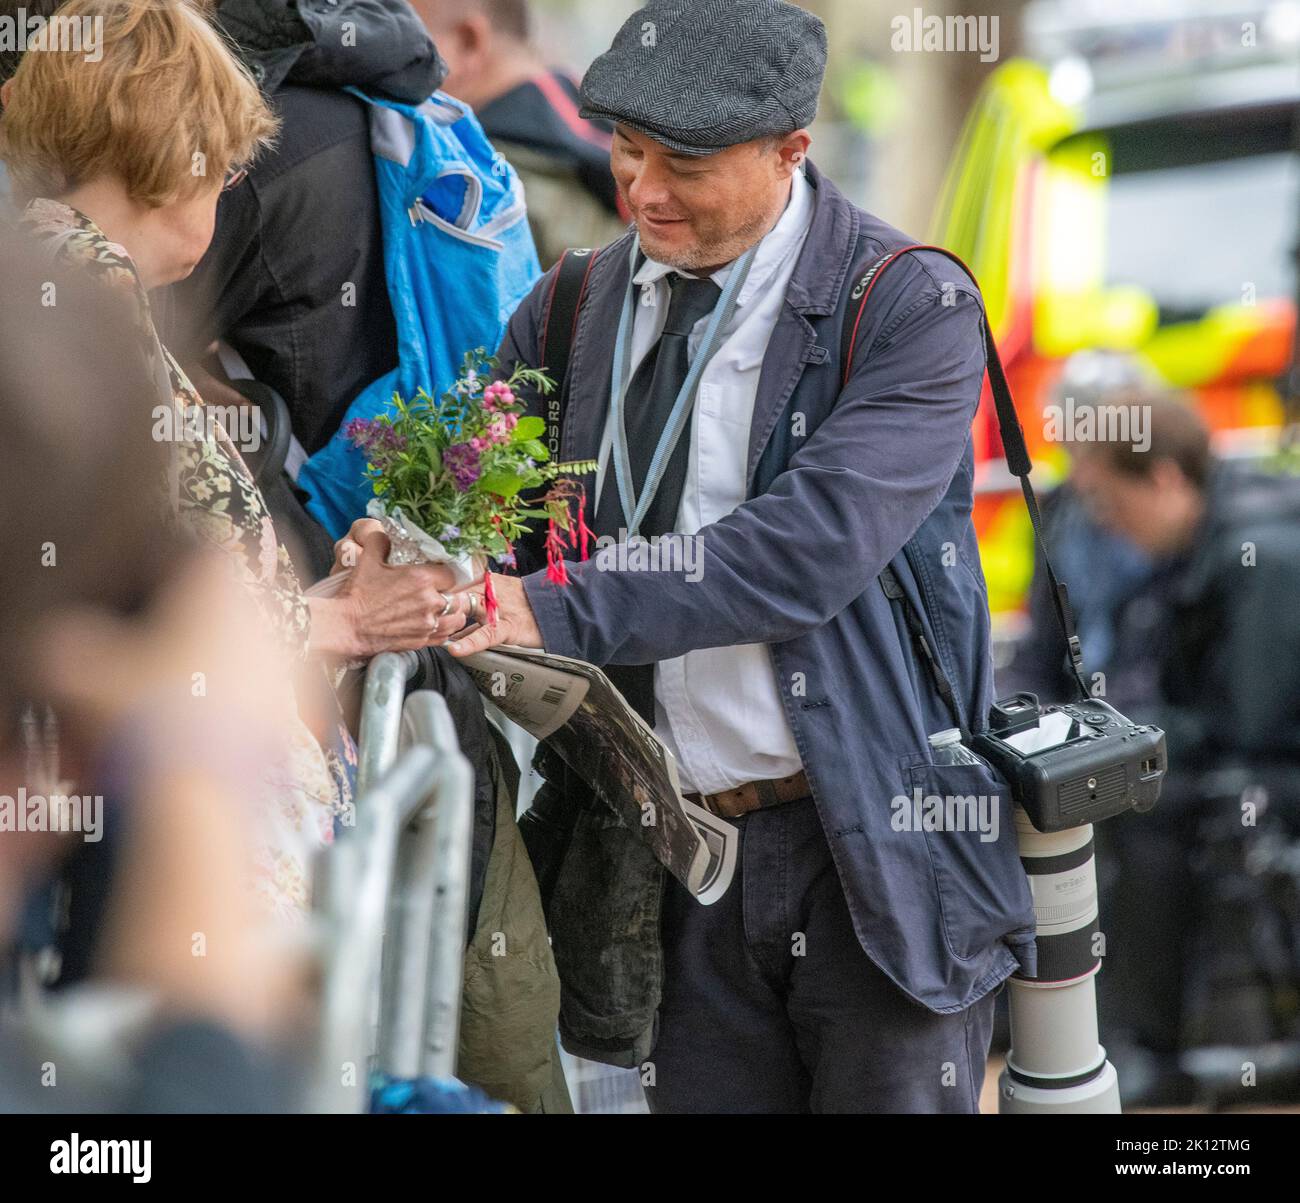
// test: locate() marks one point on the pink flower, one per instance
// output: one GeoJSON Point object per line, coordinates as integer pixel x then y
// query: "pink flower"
{"type": "Point", "coordinates": [497, 395]}
{"type": "Point", "coordinates": [512, 420]}
{"type": "Point", "coordinates": [479, 443]}
{"type": "Point", "coordinates": [498, 431]}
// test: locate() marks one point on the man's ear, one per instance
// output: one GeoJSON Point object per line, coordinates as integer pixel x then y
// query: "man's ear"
{"type": "Point", "coordinates": [4, 92]}
{"type": "Point", "coordinates": [793, 149]}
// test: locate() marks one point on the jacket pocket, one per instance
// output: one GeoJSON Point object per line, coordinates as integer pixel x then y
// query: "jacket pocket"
{"type": "Point", "coordinates": [964, 814]}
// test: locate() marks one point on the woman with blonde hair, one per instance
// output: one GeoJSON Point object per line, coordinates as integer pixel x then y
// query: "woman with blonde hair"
{"type": "Point", "coordinates": [121, 158]}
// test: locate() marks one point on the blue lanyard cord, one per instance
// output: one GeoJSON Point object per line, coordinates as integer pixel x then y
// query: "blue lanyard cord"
{"type": "Point", "coordinates": [636, 507]}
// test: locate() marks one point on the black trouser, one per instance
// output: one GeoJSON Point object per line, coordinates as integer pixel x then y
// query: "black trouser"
{"type": "Point", "coordinates": [770, 1004]}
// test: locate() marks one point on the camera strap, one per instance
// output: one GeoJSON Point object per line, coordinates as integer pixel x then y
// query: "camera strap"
{"type": "Point", "coordinates": [559, 329]}
{"type": "Point", "coordinates": [1013, 447]}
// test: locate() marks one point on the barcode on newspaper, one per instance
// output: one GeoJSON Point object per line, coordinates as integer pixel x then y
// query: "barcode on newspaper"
{"type": "Point", "coordinates": [554, 695]}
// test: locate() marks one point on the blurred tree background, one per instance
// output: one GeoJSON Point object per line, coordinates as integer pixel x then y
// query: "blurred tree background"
{"type": "Point", "coordinates": [889, 119]}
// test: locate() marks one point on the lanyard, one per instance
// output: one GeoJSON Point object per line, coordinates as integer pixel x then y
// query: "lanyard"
{"type": "Point", "coordinates": [636, 506]}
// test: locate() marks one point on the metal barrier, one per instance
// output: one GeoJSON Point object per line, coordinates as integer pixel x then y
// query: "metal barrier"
{"type": "Point", "coordinates": [381, 715]}
{"type": "Point", "coordinates": [395, 895]}
{"type": "Point", "coordinates": [355, 880]}
{"type": "Point", "coordinates": [420, 1012]}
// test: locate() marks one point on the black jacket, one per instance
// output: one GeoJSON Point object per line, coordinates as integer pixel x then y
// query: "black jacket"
{"type": "Point", "coordinates": [1207, 646]}
{"type": "Point", "coordinates": [1229, 682]}
{"type": "Point", "coordinates": [294, 278]}
{"type": "Point", "coordinates": [541, 115]}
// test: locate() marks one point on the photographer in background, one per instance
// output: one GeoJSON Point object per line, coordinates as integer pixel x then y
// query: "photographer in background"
{"type": "Point", "coordinates": [1207, 648]}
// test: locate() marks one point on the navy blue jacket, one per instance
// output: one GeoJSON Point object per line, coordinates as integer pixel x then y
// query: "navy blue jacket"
{"type": "Point", "coordinates": [842, 482]}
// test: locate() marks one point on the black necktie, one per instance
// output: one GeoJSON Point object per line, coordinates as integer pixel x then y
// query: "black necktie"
{"type": "Point", "coordinates": [647, 407]}
{"type": "Point", "coordinates": [650, 398]}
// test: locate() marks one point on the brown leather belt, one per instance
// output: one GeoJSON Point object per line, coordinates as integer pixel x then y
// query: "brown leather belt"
{"type": "Point", "coordinates": [753, 795]}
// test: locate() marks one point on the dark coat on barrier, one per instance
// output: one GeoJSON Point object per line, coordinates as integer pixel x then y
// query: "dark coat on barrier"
{"type": "Point", "coordinates": [511, 995]}
{"type": "Point", "coordinates": [842, 482]}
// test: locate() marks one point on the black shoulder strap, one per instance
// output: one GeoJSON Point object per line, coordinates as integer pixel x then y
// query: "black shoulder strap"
{"type": "Point", "coordinates": [1013, 438]}
{"type": "Point", "coordinates": [559, 328]}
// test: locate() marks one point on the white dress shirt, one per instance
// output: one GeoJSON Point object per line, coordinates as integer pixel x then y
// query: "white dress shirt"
{"type": "Point", "coordinates": [719, 709]}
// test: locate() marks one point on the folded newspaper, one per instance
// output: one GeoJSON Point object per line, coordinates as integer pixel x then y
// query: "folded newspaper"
{"type": "Point", "coordinates": [574, 707]}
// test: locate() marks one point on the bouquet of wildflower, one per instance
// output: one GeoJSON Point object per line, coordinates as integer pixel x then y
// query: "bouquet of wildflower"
{"type": "Point", "coordinates": [450, 475]}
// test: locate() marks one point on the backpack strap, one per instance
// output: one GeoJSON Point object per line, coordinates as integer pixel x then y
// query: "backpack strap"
{"type": "Point", "coordinates": [1013, 442]}
{"type": "Point", "coordinates": [559, 329]}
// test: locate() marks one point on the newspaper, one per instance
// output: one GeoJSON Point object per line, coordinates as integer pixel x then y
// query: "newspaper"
{"type": "Point", "coordinates": [573, 706]}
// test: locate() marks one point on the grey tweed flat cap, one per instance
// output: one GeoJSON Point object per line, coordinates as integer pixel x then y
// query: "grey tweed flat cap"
{"type": "Point", "coordinates": [702, 75]}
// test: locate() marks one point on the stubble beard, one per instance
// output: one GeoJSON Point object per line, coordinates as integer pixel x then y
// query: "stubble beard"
{"type": "Point", "coordinates": [713, 252]}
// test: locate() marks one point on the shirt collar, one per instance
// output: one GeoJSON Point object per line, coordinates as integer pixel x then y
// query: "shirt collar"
{"type": "Point", "coordinates": [779, 242]}
{"type": "Point", "coordinates": [48, 216]}
{"type": "Point", "coordinates": [70, 233]}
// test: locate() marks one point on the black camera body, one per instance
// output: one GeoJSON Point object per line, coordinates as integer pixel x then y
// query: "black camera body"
{"type": "Point", "coordinates": [1074, 763]}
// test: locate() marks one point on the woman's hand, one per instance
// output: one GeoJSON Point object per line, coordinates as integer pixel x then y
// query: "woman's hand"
{"type": "Point", "coordinates": [347, 551]}
{"type": "Point", "coordinates": [383, 607]}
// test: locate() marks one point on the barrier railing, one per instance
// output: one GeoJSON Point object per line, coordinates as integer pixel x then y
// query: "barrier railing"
{"type": "Point", "coordinates": [355, 880]}
{"type": "Point", "coordinates": [422, 978]}
{"type": "Point", "coordinates": [381, 715]}
{"type": "Point", "coordinates": [395, 895]}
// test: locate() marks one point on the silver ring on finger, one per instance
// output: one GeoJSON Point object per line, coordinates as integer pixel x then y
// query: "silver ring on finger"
{"type": "Point", "coordinates": [449, 604]}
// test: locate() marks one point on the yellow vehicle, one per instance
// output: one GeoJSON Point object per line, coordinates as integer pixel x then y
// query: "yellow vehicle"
{"type": "Point", "coordinates": [1148, 208]}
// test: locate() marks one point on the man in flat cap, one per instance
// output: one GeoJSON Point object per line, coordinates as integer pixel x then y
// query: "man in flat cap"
{"type": "Point", "coordinates": [826, 482]}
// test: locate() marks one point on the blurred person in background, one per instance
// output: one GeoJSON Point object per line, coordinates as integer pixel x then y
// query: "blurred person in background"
{"type": "Point", "coordinates": [109, 611]}
{"type": "Point", "coordinates": [1205, 644]}
{"type": "Point", "coordinates": [1078, 545]}
{"type": "Point", "coordinates": [124, 182]}
{"type": "Point", "coordinates": [530, 112]}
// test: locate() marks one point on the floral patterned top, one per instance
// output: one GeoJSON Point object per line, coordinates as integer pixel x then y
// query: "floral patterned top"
{"type": "Point", "coordinates": [214, 494]}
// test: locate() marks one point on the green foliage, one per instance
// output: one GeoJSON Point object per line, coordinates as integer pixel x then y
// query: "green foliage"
{"type": "Point", "coordinates": [457, 465]}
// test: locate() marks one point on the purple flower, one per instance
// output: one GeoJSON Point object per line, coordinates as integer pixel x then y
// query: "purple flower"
{"type": "Point", "coordinates": [448, 533]}
{"type": "Point", "coordinates": [375, 437]}
{"type": "Point", "coordinates": [461, 460]}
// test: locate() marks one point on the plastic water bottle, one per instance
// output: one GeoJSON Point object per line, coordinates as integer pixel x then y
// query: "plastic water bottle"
{"type": "Point", "coordinates": [946, 748]}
